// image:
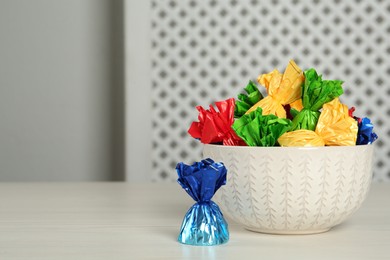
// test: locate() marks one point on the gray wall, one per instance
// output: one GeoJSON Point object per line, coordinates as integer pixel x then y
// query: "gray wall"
{"type": "Point", "coordinates": [60, 90]}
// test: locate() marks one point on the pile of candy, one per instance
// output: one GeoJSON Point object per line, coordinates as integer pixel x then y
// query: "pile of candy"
{"type": "Point", "coordinates": [301, 109]}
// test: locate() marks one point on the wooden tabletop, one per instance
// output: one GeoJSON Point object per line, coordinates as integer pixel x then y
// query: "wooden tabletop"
{"type": "Point", "coordinates": [142, 221]}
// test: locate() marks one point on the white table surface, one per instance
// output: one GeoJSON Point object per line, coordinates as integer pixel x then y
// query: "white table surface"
{"type": "Point", "coordinates": [142, 221]}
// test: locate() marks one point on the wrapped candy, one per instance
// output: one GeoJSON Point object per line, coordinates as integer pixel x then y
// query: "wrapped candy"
{"type": "Point", "coordinates": [334, 127]}
{"type": "Point", "coordinates": [365, 132]}
{"type": "Point", "coordinates": [215, 127]}
{"type": "Point", "coordinates": [301, 138]}
{"type": "Point", "coordinates": [282, 89]}
{"type": "Point", "coordinates": [203, 224]}
{"type": "Point", "coordinates": [261, 130]}
{"type": "Point", "coordinates": [246, 101]}
{"type": "Point", "coordinates": [315, 93]}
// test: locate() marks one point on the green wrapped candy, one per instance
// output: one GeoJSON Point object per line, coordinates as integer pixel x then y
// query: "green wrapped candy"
{"type": "Point", "coordinates": [246, 101]}
{"type": "Point", "coordinates": [258, 130]}
{"type": "Point", "coordinates": [315, 93]}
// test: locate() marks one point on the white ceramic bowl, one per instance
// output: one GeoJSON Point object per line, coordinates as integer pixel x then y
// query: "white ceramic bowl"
{"type": "Point", "coordinates": [290, 190]}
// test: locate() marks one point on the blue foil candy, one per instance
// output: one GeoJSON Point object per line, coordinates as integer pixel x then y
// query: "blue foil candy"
{"type": "Point", "coordinates": [365, 132]}
{"type": "Point", "coordinates": [203, 224]}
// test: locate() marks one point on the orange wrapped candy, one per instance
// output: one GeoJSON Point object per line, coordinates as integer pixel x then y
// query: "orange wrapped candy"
{"type": "Point", "coordinates": [334, 127]}
{"type": "Point", "coordinates": [282, 89]}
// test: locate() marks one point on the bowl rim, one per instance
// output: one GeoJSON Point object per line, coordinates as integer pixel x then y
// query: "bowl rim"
{"type": "Point", "coordinates": [291, 148]}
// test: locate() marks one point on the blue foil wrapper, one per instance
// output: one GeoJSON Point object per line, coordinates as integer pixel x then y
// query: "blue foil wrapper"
{"type": "Point", "coordinates": [203, 224]}
{"type": "Point", "coordinates": [365, 132]}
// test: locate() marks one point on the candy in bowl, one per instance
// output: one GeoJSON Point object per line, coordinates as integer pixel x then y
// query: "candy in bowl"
{"type": "Point", "coordinates": [298, 160]}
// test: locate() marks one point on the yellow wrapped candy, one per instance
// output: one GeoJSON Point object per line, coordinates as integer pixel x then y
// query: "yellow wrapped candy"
{"type": "Point", "coordinates": [301, 137]}
{"type": "Point", "coordinates": [334, 127]}
{"type": "Point", "coordinates": [282, 89]}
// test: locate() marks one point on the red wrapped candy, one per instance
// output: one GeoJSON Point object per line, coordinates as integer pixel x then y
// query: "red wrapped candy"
{"type": "Point", "coordinates": [215, 126]}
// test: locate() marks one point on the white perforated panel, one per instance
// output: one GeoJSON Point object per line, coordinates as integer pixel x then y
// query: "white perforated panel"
{"type": "Point", "coordinates": [204, 51]}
